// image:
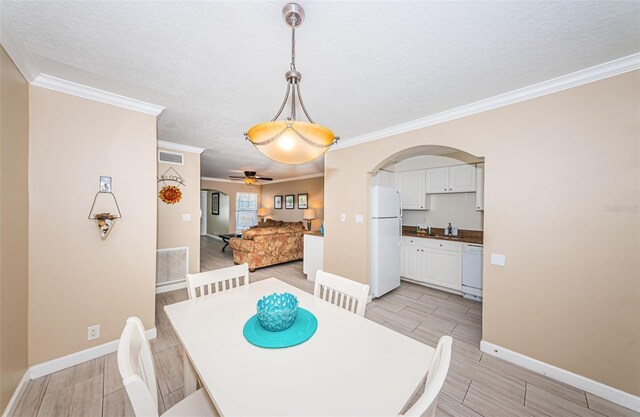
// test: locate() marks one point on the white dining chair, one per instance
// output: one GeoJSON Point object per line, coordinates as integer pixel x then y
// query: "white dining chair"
{"type": "Point", "coordinates": [426, 404]}
{"type": "Point", "coordinates": [343, 292]}
{"type": "Point", "coordinates": [218, 280]}
{"type": "Point", "coordinates": [139, 378]}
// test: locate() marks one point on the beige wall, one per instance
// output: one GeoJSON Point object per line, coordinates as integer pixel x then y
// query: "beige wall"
{"type": "Point", "coordinates": [218, 224]}
{"type": "Point", "coordinates": [562, 198]}
{"type": "Point", "coordinates": [312, 186]}
{"type": "Point", "coordinates": [173, 232]}
{"type": "Point", "coordinates": [230, 189]}
{"type": "Point", "coordinates": [76, 279]}
{"type": "Point", "coordinates": [14, 227]}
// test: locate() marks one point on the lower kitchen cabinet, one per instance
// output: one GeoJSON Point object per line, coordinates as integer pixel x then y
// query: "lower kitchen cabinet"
{"type": "Point", "coordinates": [433, 262]}
{"type": "Point", "coordinates": [443, 268]}
{"type": "Point", "coordinates": [411, 261]}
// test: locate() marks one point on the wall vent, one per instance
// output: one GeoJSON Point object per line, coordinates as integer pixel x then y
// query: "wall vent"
{"type": "Point", "coordinates": [170, 158]}
{"type": "Point", "coordinates": [172, 265]}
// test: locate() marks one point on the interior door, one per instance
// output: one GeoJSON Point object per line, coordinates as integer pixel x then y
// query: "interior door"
{"type": "Point", "coordinates": [203, 212]}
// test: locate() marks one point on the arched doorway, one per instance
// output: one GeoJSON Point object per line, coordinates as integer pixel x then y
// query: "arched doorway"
{"type": "Point", "coordinates": [441, 219]}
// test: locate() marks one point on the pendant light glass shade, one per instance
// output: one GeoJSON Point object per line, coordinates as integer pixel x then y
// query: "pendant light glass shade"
{"type": "Point", "coordinates": [291, 141]}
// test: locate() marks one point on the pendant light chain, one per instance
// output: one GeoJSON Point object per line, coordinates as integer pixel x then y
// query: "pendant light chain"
{"type": "Point", "coordinates": [290, 141]}
{"type": "Point", "coordinates": [293, 49]}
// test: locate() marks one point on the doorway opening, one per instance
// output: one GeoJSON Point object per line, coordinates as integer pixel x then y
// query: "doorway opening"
{"type": "Point", "coordinates": [427, 233]}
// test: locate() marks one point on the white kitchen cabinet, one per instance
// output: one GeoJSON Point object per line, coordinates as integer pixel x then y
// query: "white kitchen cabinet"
{"type": "Point", "coordinates": [443, 268]}
{"type": "Point", "coordinates": [480, 187]}
{"type": "Point", "coordinates": [411, 187]}
{"type": "Point", "coordinates": [453, 179]}
{"type": "Point", "coordinates": [462, 178]}
{"type": "Point", "coordinates": [410, 261]}
{"type": "Point", "coordinates": [437, 180]}
{"type": "Point", "coordinates": [434, 262]}
{"type": "Point", "coordinates": [313, 255]}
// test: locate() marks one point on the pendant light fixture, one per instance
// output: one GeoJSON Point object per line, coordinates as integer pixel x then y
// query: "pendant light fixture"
{"type": "Point", "coordinates": [291, 141]}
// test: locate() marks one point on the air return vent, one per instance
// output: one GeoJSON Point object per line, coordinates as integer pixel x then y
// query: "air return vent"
{"type": "Point", "coordinates": [171, 265]}
{"type": "Point", "coordinates": [170, 158]}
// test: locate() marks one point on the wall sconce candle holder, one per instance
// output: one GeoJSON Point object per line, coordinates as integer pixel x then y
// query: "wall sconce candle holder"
{"type": "Point", "coordinates": [106, 200]}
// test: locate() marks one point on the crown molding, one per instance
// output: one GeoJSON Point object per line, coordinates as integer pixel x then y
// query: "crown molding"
{"type": "Point", "coordinates": [180, 147]}
{"type": "Point", "coordinates": [303, 177]}
{"type": "Point", "coordinates": [585, 76]}
{"type": "Point", "coordinates": [223, 180]}
{"type": "Point", "coordinates": [16, 49]}
{"type": "Point", "coordinates": [79, 90]}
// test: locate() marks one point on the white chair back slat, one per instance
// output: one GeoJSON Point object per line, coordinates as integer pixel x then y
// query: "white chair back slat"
{"type": "Point", "coordinates": [343, 292]}
{"type": "Point", "coordinates": [426, 404]}
{"type": "Point", "coordinates": [135, 363]}
{"type": "Point", "coordinates": [218, 280]}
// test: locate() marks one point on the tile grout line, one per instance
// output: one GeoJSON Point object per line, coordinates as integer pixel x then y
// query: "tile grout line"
{"type": "Point", "coordinates": [466, 392]}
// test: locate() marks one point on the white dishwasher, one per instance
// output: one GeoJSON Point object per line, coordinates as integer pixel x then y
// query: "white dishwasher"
{"type": "Point", "coordinates": [472, 271]}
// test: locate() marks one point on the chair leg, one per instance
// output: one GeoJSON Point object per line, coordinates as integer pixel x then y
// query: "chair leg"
{"type": "Point", "coordinates": [190, 376]}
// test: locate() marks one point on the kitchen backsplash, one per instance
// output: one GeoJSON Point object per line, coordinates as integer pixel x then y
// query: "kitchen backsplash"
{"type": "Point", "coordinates": [457, 209]}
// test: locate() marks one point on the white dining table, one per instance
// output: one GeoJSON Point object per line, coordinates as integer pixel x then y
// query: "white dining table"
{"type": "Point", "coordinates": [351, 366]}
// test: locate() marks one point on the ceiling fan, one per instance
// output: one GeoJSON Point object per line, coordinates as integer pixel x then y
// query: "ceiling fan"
{"type": "Point", "coordinates": [249, 178]}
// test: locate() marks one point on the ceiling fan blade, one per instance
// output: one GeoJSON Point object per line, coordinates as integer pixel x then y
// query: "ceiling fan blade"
{"type": "Point", "coordinates": [264, 178]}
{"type": "Point", "coordinates": [235, 177]}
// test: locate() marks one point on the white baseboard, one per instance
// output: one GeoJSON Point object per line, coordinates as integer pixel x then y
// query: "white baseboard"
{"type": "Point", "coordinates": [589, 385]}
{"type": "Point", "coordinates": [13, 402]}
{"type": "Point", "coordinates": [171, 287]}
{"type": "Point", "coordinates": [64, 362]}
{"type": "Point", "coordinates": [213, 236]}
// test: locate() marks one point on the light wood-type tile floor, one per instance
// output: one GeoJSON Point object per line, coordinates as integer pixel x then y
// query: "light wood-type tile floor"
{"type": "Point", "coordinates": [477, 384]}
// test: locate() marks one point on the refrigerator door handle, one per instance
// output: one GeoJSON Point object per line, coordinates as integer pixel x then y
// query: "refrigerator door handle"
{"type": "Point", "coordinates": [400, 237]}
{"type": "Point", "coordinates": [400, 195]}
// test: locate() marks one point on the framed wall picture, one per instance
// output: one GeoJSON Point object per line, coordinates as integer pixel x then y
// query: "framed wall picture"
{"type": "Point", "coordinates": [215, 204]}
{"type": "Point", "coordinates": [303, 201]}
{"type": "Point", "coordinates": [289, 201]}
{"type": "Point", "coordinates": [277, 201]}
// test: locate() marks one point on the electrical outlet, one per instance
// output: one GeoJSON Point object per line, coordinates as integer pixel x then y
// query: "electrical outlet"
{"type": "Point", "coordinates": [343, 217]}
{"type": "Point", "coordinates": [93, 332]}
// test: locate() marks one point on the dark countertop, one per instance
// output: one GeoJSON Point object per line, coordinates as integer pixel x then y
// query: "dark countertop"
{"type": "Point", "coordinates": [464, 236]}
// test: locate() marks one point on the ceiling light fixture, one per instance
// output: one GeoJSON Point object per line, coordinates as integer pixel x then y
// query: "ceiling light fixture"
{"type": "Point", "coordinates": [291, 141]}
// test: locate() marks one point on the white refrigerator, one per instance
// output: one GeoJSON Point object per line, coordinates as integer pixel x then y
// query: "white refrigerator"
{"type": "Point", "coordinates": [386, 238]}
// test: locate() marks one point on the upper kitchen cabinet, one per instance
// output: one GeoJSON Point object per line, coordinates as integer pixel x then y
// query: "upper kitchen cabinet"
{"type": "Point", "coordinates": [480, 188]}
{"type": "Point", "coordinates": [437, 180]}
{"type": "Point", "coordinates": [462, 179]}
{"type": "Point", "coordinates": [411, 186]}
{"type": "Point", "coordinates": [453, 179]}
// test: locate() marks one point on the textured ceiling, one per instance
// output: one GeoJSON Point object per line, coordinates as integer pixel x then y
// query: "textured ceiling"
{"type": "Point", "coordinates": [218, 67]}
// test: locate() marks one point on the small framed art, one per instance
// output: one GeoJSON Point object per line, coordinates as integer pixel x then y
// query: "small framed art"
{"type": "Point", "coordinates": [303, 201]}
{"type": "Point", "coordinates": [215, 204]}
{"type": "Point", "coordinates": [277, 201]}
{"type": "Point", "coordinates": [289, 201]}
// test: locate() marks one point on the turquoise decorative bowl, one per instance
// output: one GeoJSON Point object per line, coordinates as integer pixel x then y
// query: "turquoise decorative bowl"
{"type": "Point", "coordinates": [277, 312]}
